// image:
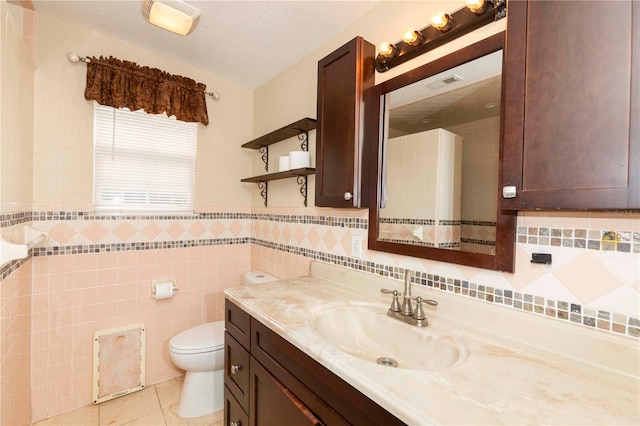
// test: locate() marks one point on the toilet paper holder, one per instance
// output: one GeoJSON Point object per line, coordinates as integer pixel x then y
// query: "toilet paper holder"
{"type": "Point", "coordinates": [163, 288]}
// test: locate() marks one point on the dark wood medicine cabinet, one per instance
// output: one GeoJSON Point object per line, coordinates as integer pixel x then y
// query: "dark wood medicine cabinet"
{"type": "Point", "coordinates": [572, 106]}
{"type": "Point", "coordinates": [343, 77]}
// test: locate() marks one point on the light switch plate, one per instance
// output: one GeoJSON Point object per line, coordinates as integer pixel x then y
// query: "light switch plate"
{"type": "Point", "coordinates": [356, 246]}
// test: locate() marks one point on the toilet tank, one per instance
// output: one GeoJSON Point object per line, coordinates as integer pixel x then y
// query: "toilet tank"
{"type": "Point", "coordinates": [257, 277]}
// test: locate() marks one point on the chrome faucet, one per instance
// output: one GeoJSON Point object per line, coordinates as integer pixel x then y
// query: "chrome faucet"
{"type": "Point", "coordinates": [406, 312]}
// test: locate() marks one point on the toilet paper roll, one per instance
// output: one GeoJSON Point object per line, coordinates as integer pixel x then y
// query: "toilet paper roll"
{"type": "Point", "coordinates": [163, 289]}
{"type": "Point", "coordinates": [299, 159]}
{"type": "Point", "coordinates": [283, 163]}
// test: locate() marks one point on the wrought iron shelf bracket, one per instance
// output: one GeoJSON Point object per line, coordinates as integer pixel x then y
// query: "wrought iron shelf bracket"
{"type": "Point", "coordinates": [265, 157]}
{"type": "Point", "coordinates": [302, 181]}
{"type": "Point", "coordinates": [263, 187]}
{"type": "Point", "coordinates": [304, 137]}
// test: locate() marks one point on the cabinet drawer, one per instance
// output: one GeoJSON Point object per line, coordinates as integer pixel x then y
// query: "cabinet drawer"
{"type": "Point", "coordinates": [233, 412]}
{"type": "Point", "coordinates": [237, 323]}
{"type": "Point", "coordinates": [236, 370]}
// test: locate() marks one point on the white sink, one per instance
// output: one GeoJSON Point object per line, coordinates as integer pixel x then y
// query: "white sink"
{"type": "Point", "coordinates": [366, 332]}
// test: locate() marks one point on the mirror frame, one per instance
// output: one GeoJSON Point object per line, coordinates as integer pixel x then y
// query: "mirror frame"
{"type": "Point", "coordinates": [504, 258]}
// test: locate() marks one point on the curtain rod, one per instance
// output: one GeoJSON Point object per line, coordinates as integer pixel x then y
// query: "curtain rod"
{"type": "Point", "coordinates": [73, 57]}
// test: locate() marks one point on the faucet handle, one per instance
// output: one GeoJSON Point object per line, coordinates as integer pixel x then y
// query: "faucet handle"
{"type": "Point", "coordinates": [430, 302]}
{"type": "Point", "coordinates": [419, 312]}
{"type": "Point", "coordinates": [395, 303]}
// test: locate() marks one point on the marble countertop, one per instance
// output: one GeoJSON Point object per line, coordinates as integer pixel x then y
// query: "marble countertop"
{"type": "Point", "coordinates": [529, 379]}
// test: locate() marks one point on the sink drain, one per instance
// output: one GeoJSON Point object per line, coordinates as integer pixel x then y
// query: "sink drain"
{"type": "Point", "coordinates": [387, 362]}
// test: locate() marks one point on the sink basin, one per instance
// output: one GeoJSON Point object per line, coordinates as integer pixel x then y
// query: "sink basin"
{"type": "Point", "coordinates": [366, 332]}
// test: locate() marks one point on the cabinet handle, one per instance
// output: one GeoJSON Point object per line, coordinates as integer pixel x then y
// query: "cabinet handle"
{"type": "Point", "coordinates": [234, 368]}
{"type": "Point", "coordinates": [347, 196]}
{"type": "Point", "coordinates": [508, 192]}
{"type": "Point", "coordinates": [238, 423]}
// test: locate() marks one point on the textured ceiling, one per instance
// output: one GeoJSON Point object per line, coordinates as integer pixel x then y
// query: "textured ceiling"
{"type": "Point", "coordinates": [248, 42]}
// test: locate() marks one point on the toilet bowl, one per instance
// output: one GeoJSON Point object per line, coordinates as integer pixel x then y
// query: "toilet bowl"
{"type": "Point", "coordinates": [200, 352]}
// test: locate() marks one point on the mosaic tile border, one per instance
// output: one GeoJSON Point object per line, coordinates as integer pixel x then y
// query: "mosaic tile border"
{"type": "Point", "coordinates": [479, 242]}
{"type": "Point", "coordinates": [575, 313]}
{"type": "Point", "coordinates": [449, 222]}
{"type": "Point", "coordinates": [79, 215]}
{"type": "Point", "coordinates": [591, 239]}
{"type": "Point", "coordinates": [12, 219]}
{"type": "Point", "coordinates": [12, 266]}
{"type": "Point", "coordinates": [412, 242]}
{"type": "Point", "coordinates": [478, 223]}
{"type": "Point", "coordinates": [343, 222]}
{"type": "Point", "coordinates": [406, 221]}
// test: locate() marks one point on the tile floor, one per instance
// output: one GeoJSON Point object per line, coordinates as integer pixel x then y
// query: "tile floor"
{"type": "Point", "coordinates": [154, 406]}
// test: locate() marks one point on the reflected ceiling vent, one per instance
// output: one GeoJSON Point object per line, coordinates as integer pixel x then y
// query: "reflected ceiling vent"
{"type": "Point", "coordinates": [453, 78]}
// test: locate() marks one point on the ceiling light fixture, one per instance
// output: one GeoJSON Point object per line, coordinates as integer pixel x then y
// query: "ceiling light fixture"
{"type": "Point", "coordinates": [176, 16]}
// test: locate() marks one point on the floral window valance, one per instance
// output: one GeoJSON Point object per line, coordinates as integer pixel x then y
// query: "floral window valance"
{"type": "Point", "coordinates": [119, 84]}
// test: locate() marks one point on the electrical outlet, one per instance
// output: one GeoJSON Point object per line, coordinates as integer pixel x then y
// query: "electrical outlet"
{"type": "Point", "coordinates": [356, 246]}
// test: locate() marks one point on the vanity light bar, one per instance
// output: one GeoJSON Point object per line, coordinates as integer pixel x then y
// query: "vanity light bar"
{"type": "Point", "coordinates": [459, 23]}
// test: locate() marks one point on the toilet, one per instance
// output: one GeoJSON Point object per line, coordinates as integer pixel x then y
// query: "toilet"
{"type": "Point", "coordinates": [200, 352]}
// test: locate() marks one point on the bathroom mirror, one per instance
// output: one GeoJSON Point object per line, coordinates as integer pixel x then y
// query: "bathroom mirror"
{"type": "Point", "coordinates": [436, 135]}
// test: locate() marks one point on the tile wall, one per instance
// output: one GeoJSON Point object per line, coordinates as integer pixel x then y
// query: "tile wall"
{"type": "Point", "coordinates": [95, 273]}
{"type": "Point", "coordinates": [100, 277]}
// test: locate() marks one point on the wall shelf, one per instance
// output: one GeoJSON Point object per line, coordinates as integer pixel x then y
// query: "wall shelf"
{"type": "Point", "coordinates": [305, 171]}
{"type": "Point", "coordinates": [286, 132]}
{"type": "Point", "coordinates": [300, 129]}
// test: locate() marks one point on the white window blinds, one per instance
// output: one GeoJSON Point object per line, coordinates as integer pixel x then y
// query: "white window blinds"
{"type": "Point", "coordinates": [143, 162]}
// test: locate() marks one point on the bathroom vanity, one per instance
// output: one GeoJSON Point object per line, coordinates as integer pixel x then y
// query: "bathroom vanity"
{"type": "Point", "coordinates": [304, 351]}
{"type": "Point", "coordinates": [269, 381]}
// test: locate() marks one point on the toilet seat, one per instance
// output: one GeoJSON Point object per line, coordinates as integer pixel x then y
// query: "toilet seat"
{"type": "Point", "coordinates": [207, 337]}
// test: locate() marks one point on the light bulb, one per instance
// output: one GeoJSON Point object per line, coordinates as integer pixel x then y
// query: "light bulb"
{"type": "Point", "coordinates": [387, 50]}
{"type": "Point", "coordinates": [412, 38]}
{"type": "Point", "coordinates": [441, 21]}
{"type": "Point", "coordinates": [476, 6]}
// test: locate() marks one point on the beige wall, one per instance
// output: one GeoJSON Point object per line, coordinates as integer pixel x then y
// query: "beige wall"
{"type": "Point", "coordinates": [16, 127]}
{"type": "Point", "coordinates": [16, 111]}
{"type": "Point", "coordinates": [62, 178]}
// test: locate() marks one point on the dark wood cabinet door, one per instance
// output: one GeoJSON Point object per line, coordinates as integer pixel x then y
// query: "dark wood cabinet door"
{"type": "Point", "coordinates": [342, 78]}
{"type": "Point", "coordinates": [272, 404]}
{"type": "Point", "coordinates": [572, 105]}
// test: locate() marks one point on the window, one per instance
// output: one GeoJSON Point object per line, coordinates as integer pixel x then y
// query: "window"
{"type": "Point", "coordinates": [143, 162]}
